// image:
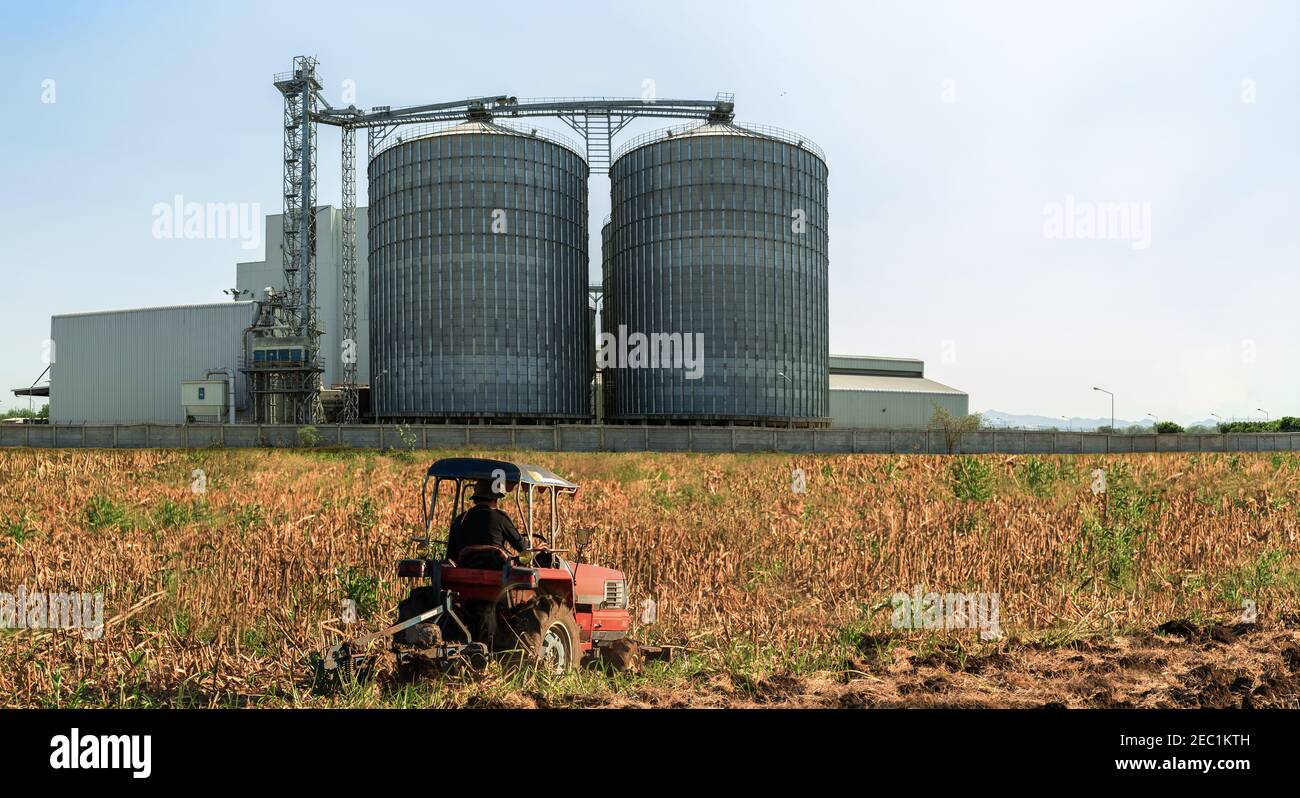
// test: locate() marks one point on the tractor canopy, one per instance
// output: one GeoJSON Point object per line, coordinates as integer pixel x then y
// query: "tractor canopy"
{"type": "Point", "coordinates": [522, 479]}
{"type": "Point", "coordinates": [476, 468]}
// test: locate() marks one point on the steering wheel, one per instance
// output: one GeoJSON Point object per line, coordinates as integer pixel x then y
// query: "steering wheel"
{"type": "Point", "coordinates": [538, 553]}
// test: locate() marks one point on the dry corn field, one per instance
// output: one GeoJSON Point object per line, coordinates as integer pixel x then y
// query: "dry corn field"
{"type": "Point", "coordinates": [222, 571]}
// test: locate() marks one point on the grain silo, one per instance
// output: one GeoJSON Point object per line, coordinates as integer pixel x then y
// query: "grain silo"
{"type": "Point", "coordinates": [608, 319]}
{"type": "Point", "coordinates": [721, 230]}
{"type": "Point", "coordinates": [478, 276]}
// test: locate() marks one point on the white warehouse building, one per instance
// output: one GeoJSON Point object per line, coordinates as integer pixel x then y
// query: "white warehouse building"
{"type": "Point", "coordinates": [127, 366]}
{"type": "Point", "coordinates": [888, 393]}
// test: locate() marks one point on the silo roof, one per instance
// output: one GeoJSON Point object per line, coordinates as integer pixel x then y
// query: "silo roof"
{"type": "Point", "coordinates": [411, 133]}
{"type": "Point", "coordinates": [763, 132]}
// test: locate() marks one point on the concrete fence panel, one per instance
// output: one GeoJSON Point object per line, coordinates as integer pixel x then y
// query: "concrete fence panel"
{"type": "Point", "coordinates": [872, 442]}
{"type": "Point", "coordinates": [626, 439]}
{"type": "Point", "coordinates": [1093, 444]}
{"type": "Point", "coordinates": [794, 440]}
{"type": "Point", "coordinates": [977, 443]}
{"type": "Point", "coordinates": [580, 438]}
{"type": "Point", "coordinates": [669, 439]}
{"type": "Point", "coordinates": [908, 442]}
{"type": "Point", "coordinates": [833, 441]}
{"type": "Point", "coordinates": [748, 439]}
{"type": "Point", "coordinates": [535, 439]}
{"type": "Point", "coordinates": [1040, 442]}
{"type": "Point", "coordinates": [713, 439]}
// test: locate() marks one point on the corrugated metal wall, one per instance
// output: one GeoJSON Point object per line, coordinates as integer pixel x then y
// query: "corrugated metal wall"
{"type": "Point", "coordinates": [127, 366]}
{"type": "Point", "coordinates": [891, 409]}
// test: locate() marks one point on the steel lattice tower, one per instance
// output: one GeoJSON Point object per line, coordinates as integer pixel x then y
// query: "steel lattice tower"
{"type": "Point", "coordinates": [350, 342]}
{"type": "Point", "coordinates": [297, 388]}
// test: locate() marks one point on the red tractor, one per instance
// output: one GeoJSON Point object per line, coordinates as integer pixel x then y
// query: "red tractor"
{"type": "Point", "coordinates": [542, 606]}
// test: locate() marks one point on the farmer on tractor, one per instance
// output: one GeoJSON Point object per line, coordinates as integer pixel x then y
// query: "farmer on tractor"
{"type": "Point", "coordinates": [547, 607]}
{"type": "Point", "coordinates": [482, 528]}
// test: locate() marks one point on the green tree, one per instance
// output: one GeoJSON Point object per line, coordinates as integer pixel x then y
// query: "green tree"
{"type": "Point", "coordinates": [953, 427]}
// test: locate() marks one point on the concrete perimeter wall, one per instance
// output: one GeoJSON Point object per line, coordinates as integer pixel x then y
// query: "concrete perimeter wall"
{"type": "Point", "coordinates": [617, 438]}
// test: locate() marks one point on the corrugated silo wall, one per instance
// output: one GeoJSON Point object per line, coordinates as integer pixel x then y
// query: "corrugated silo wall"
{"type": "Point", "coordinates": [608, 316]}
{"type": "Point", "coordinates": [704, 240]}
{"type": "Point", "coordinates": [478, 278]}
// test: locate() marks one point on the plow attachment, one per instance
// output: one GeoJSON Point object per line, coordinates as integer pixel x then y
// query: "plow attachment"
{"type": "Point", "coordinates": [418, 633]}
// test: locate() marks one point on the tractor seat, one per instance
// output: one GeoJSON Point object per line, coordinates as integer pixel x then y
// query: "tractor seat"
{"type": "Point", "coordinates": [486, 557]}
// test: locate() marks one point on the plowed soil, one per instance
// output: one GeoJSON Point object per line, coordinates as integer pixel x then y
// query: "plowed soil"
{"type": "Point", "coordinates": [1179, 665]}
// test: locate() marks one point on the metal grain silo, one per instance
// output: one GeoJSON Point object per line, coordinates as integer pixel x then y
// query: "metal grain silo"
{"type": "Point", "coordinates": [608, 319]}
{"type": "Point", "coordinates": [721, 229]}
{"type": "Point", "coordinates": [478, 276]}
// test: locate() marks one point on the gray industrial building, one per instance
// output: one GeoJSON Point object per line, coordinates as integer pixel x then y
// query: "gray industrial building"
{"type": "Point", "coordinates": [121, 366]}
{"type": "Point", "coordinates": [888, 393]}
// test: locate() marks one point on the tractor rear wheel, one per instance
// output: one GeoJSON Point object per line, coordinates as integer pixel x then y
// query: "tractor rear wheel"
{"type": "Point", "coordinates": [546, 633]}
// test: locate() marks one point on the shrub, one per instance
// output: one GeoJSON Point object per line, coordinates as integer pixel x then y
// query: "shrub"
{"type": "Point", "coordinates": [104, 513]}
{"type": "Point", "coordinates": [1249, 581]}
{"type": "Point", "coordinates": [1283, 424]}
{"type": "Point", "coordinates": [953, 427]}
{"type": "Point", "coordinates": [366, 515]}
{"type": "Point", "coordinates": [308, 437]}
{"type": "Point", "coordinates": [1110, 546]}
{"type": "Point", "coordinates": [362, 589]}
{"type": "Point", "coordinates": [18, 527]}
{"type": "Point", "coordinates": [971, 479]}
{"type": "Point", "coordinates": [1040, 475]}
{"type": "Point", "coordinates": [171, 514]}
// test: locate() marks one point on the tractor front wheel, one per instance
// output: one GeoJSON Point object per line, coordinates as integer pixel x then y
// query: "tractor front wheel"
{"type": "Point", "coordinates": [546, 633]}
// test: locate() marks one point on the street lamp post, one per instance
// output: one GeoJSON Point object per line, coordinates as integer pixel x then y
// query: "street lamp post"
{"type": "Point", "coordinates": [789, 402]}
{"type": "Point", "coordinates": [1265, 412]}
{"type": "Point", "coordinates": [374, 406]}
{"type": "Point", "coordinates": [1112, 406]}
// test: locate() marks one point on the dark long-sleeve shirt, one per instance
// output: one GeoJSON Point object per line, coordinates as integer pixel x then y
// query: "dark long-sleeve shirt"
{"type": "Point", "coordinates": [481, 525]}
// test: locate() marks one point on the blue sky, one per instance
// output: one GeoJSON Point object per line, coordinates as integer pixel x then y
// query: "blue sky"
{"type": "Point", "coordinates": [951, 129]}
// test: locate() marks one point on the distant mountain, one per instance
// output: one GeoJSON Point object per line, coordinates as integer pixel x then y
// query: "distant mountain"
{"type": "Point", "coordinates": [997, 419]}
